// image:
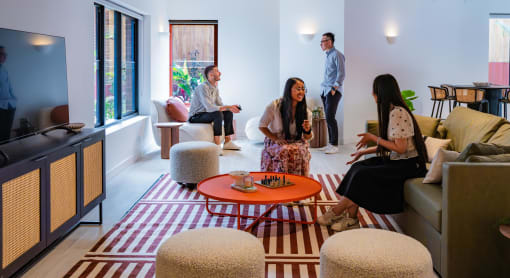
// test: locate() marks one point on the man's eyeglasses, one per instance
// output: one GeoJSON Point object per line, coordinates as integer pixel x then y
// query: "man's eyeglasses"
{"type": "Point", "coordinates": [323, 41]}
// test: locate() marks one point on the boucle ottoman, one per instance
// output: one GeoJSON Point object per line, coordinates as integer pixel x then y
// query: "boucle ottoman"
{"type": "Point", "coordinates": [191, 162]}
{"type": "Point", "coordinates": [211, 252]}
{"type": "Point", "coordinates": [374, 253]}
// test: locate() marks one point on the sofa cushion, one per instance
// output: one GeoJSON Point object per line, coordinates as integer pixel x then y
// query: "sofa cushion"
{"type": "Point", "coordinates": [502, 135]}
{"type": "Point", "coordinates": [466, 126]}
{"type": "Point", "coordinates": [482, 149]}
{"type": "Point", "coordinates": [435, 172]}
{"type": "Point", "coordinates": [176, 109]}
{"type": "Point", "coordinates": [489, 158]}
{"type": "Point", "coordinates": [428, 125]}
{"type": "Point", "coordinates": [426, 199]}
{"type": "Point", "coordinates": [434, 144]}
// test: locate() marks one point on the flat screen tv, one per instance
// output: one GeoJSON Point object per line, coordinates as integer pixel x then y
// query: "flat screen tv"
{"type": "Point", "coordinates": [33, 84]}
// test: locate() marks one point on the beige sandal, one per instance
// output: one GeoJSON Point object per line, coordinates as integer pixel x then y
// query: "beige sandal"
{"type": "Point", "coordinates": [346, 223]}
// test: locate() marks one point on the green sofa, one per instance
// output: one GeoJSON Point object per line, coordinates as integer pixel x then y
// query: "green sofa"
{"type": "Point", "coordinates": [457, 219]}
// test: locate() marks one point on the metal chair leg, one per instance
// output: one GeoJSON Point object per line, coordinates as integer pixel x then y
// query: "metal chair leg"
{"type": "Point", "coordinates": [433, 108]}
{"type": "Point", "coordinates": [441, 112]}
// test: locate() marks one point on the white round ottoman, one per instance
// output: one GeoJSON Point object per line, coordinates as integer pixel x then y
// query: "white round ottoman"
{"type": "Point", "coordinates": [191, 162]}
{"type": "Point", "coordinates": [252, 130]}
{"type": "Point", "coordinates": [374, 253]}
{"type": "Point", "coordinates": [212, 253]}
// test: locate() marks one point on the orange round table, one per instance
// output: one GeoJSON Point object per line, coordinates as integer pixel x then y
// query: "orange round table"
{"type": "Point", "coordinates": [218, 188]}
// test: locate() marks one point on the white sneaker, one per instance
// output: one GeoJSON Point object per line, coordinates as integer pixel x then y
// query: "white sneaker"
{"type": "Point", "coordinates": [325, 148]}
{"type": "Point", "coordinates": [220, 151]}
{"type": "Point", "coordinates": [231, 146]}
{"type": "Point", "coordinates": [332, 150]}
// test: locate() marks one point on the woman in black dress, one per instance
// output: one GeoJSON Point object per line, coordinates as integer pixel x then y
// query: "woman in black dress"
{"type": "Point", "coordinates": [376, 184]}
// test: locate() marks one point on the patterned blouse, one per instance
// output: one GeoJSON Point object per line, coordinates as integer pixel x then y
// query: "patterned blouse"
{"type": "Point", "coordinates": [272, 119]}
{"type": "Point", "coordinates": [401, 126]}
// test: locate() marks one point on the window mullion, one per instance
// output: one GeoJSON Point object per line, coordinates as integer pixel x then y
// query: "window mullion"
{"type": "Point", "coordinates": [100, 114]}
{"type": "Point", "coordinates": [135, 62]}
{"type": "Point", "coordinates": [118, 66]}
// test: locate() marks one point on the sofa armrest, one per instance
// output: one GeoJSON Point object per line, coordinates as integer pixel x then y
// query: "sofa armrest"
{"type": "Point", "coordinates": [475, 197]}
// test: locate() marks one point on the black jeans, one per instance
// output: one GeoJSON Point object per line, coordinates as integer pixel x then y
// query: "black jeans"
{"type": "Point", "coordinates": [217, 118]}
{"type": "Point", "coordinates": [330, 106]}
{"type": "Point", "coordinates": [6, 119]}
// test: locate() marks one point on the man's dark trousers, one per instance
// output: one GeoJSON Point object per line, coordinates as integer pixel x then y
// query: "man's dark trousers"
{"type": "Point", "coordinates": [218, 118]}
{"type": "Point", "coordinates": [330, 103]}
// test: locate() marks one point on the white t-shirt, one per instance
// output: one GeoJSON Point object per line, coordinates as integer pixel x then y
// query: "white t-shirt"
{"type": "Point", "coordinates": [401, 126]}
{"type": "Point", "coordinates": [272, 119]}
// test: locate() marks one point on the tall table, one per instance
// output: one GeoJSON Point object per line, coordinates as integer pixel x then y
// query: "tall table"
{"type": "Point", "coordinates": [218, 188]}
{"type": "Point", "coordinates": [493, 94]}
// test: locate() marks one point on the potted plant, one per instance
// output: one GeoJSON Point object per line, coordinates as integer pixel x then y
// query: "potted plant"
{"type": "Point", "coordinates": [409, 96]}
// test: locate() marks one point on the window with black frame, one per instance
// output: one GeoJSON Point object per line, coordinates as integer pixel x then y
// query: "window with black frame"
{"type": "Point", "coordinates": [116, 66]}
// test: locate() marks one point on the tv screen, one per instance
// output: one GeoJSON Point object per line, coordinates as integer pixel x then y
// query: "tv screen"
{"type": "Point", "coordinates": [33, 83]}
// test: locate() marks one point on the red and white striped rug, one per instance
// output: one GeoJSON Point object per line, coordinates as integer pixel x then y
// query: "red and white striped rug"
{"type": "Point", "coordinates": [292, 250]}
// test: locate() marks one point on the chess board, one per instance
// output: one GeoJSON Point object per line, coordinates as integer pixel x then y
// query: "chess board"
{"type": "Point", "coordinates": [274, 184]}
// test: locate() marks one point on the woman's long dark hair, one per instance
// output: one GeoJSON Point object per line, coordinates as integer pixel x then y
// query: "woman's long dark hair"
{"type": "Point", "coordinates": [286, 110]}
{"type": "Point", "coordinates": [386, 89]}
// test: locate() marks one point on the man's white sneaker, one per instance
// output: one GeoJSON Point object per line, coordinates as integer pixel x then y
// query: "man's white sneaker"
{"type": "Point", "coordinates": [325, 148]}
{"type": "Point", "coordinates": [220, 151]}
{"type": "Point", "coordinates": [231, 146]}
{"type": "Point", "coordinates": [332, 150]}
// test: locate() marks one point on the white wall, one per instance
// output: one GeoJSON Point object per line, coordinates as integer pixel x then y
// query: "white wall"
{"type": "Point", "coordinates": [248, 50]}
{"type": "Point", "coordinates": [75, 22]}
{"type": "Point", "coordinates": [305, 59]}
{"type": "Point", "coordinates": [438, 42]}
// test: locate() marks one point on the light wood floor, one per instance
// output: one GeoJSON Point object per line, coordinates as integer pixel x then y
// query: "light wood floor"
{"type": "Point", "coordinates": [123, 190]}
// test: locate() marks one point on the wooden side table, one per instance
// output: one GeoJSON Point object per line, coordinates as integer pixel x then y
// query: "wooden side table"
{"type": "Point", "coordinates": [320, 133]}
{"type": "Point", "coordinates": [169, 137]}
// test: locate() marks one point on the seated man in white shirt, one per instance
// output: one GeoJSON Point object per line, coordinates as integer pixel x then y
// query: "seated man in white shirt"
{"type": "Point", "coordinates": [206, 107]}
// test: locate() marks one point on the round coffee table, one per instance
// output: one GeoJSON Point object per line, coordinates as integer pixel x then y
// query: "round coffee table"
{"type": "Point", "coordinates": [218, 188]}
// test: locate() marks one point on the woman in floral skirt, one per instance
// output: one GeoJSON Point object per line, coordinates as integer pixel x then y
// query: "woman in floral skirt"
{"type": "Point", "coordinates": [286, 125]}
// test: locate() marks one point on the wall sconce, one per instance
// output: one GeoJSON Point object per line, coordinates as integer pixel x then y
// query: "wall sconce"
{"type": "Point", "coordinates": [391, 33]}
{"type": "Point", "coordinates": [42, 43]}
{"type": "Point", "coordinates": [307, 37]}
{"type": "Point", "coordinates": [391, 38]}
{"type": "Point", "coordinates": [43, 48]}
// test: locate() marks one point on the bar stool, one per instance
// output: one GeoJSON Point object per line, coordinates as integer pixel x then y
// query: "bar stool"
{"type": "Point", "coordinates": [504, 100]}
{"type": "Point", "coordinates": [471, 96]}
{"type": "Point", "coordinates": [438, 94]}
{"type": "Point", "coordinates": [451, 96]}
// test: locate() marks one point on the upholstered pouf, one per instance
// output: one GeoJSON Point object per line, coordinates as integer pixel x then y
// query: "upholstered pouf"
{"type": "Point", "coordinates": [212, 253]}
{"type": "Point", "coordinates": [191, 162]}
{"type": "Point", "coordinates": [252, 130]}
{"type": "Point", "coordinates": [374, 253]}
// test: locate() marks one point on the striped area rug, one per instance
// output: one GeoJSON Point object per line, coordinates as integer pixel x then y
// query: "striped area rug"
{"type": "Point", "coordinates": [292, 250]}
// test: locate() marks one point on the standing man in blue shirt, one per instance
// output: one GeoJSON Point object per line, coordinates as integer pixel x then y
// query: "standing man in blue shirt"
{"type": "Point", "coordinates": [7, 99]}
{"type": "Point", "coordinates": [332, 88]}
{"type": "Point", "coordinates": [207, 106]}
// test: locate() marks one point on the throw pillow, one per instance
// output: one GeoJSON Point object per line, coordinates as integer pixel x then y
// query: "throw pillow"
{"type": "Point", "coordinates": [60, 114]}
{"type": "Point", "coordinates": [435, 173]}
{"type": "Point", "coordinates": [176, 109]}
{"type": "Point", "coordinates": [433, 145]}
{"type": "Point", "coordinates": [489, 158]}
{"type": "Point", "coordinates": [482, 149]}
{"type": "Point", "coordinates": [428, 125]}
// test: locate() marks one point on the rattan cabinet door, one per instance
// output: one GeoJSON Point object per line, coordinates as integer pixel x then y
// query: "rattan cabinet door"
{"type": "Point", "coordinates": [22, 213]}
{"type": "Point", "coordinates": [63, 188]}
{"type": "Point", "coordinates": [93, 173]}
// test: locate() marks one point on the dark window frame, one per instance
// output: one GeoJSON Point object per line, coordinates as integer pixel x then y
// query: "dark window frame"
{"type": "Point", "coordinates": [190, 22]}
{"type": "Point", "coordinates": [100, 75]}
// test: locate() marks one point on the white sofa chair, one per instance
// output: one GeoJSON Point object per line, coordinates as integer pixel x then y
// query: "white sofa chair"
{"type": "Point", "coordinates": [187, 132]}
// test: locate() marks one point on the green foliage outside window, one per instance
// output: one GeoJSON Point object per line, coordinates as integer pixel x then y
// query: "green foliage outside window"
{"type": "Point", "coordinates": [184, 81]}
